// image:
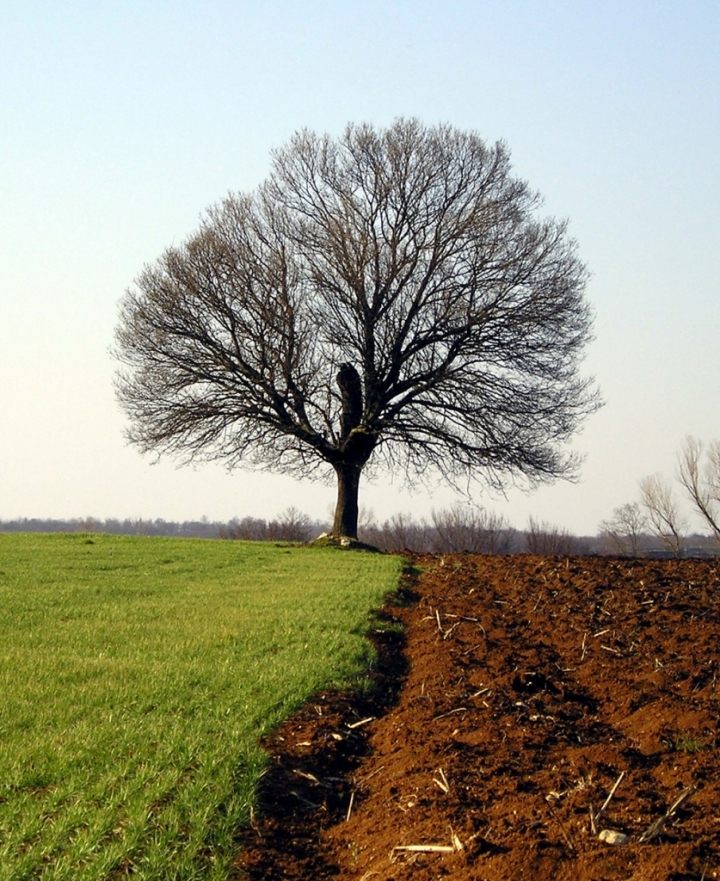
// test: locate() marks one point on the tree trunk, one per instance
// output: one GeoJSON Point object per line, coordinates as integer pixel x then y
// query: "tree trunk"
{"type": "Point", "coordinates": [346, 510]}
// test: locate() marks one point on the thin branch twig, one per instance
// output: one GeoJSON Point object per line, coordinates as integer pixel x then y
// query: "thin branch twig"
{"type": "Point", "coordinates": [595, 818]}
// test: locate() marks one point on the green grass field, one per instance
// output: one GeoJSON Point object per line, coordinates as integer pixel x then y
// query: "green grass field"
{"type": "Point", "coordinates": [136, 676]}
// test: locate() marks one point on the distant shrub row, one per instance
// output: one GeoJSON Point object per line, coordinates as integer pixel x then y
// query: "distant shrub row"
{"type": "Point", "coordinates": [451, 530]}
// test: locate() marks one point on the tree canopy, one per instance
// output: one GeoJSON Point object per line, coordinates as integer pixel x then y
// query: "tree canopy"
{"type": "Point", "coordinates": [387, 299]}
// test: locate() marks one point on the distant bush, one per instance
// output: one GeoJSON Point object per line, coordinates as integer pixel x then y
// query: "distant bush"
{"type": "Point", "coordinates": [451, 530]}
{"type": "Point", "coordinates": [464, 528]}
{"type": "Point", "coordinates": [544, 538]}
{"type": "Point", "coordinates": [291, 525]}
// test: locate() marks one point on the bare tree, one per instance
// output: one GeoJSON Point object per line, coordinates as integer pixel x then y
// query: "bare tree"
{"type": "Point", "coordinates": [247, 529]}
{"type": "Point", "coordinates": [470, 528]}
{"type": "Point", "coordinates": [624, 530]}
{"type": "Point", "coordinates": [545, 538]}
{"type": "Point", "coordinates": [291, 525]}
{"type": "Point", "coordinates": [457, 529]}
{"type": "Point", "coordinates": [663, 512]}
{"type": "Point", "coordinates": [387, 299]}
{"type": "Point", "coordinates": [398, 533]}
{"type": "Point", "coordinates": [702, 482]}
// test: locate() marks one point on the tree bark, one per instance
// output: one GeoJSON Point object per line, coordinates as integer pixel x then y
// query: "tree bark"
{"type": "Point", "coordinates": [346, 510]}
{"type": "Point", "coordinates": [353, 445]}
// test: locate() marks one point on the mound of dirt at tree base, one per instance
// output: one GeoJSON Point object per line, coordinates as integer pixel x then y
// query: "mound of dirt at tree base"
{"type": "Point", "coordinates": [521, 691]}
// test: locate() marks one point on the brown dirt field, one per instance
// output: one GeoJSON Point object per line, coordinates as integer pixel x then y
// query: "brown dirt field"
{"type": "Point", "coordinates": [520, 691]}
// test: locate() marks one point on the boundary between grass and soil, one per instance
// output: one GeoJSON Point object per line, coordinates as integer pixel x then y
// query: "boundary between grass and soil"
{"type": "Point", "coordinates": [309, 783]}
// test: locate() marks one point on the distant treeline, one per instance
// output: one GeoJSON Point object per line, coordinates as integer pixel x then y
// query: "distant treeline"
{"type": "Point", "coordinates": [452, 530]}
{"type": "Point", "coordinates": [189, 528]}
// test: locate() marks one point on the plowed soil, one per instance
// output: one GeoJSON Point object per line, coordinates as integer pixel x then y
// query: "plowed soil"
{"type": "Point", "coordinates": [520, 691]}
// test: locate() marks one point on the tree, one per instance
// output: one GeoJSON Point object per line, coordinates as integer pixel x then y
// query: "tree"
{"type": "Point", "coordinates": [702, 483]}
{"type": "Point", "coordinates": [474, 529]}
{"type": "Point", "coordinates": [545, 538]}
{"type": "Point", "coordinates": [663, 512]}
{"type": "Point", "coordinates": [387, 299]}
{"type": "Point", "coordinates": [399, 533]}
{"type": "Point", "coordinates": [624, 530]}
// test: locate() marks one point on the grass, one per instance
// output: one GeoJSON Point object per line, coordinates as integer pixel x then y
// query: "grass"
{"type": "Point", "coordinates": [137, 675]}
{"type": "Point", "coordinates": [680, 742]}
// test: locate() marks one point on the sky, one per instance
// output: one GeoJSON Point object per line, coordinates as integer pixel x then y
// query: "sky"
{"type": "Point", "coordinates": [121, 122]}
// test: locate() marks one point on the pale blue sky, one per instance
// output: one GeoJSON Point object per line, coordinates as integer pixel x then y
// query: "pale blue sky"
{"type": "Point", "coordinates": [120, 122]}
